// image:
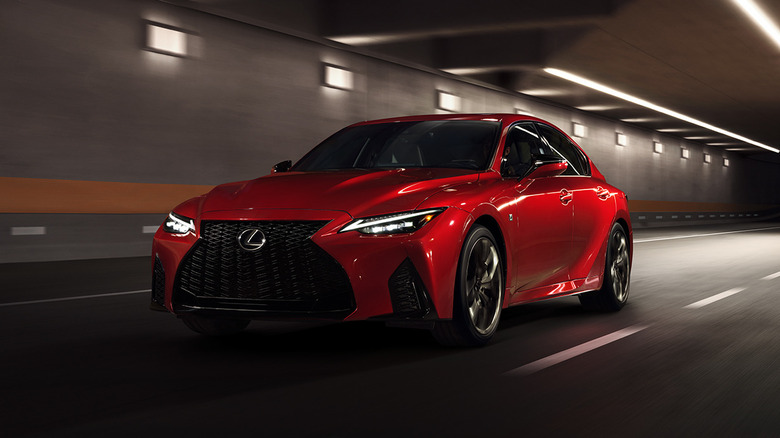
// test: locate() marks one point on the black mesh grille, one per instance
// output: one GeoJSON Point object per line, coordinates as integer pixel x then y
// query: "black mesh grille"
{"type": "Point", "coordinates": [407, 292]}
{"type": "Point", "coordinates": [158, 283]}
{"type": "Point", "coordinates": [289, 272]}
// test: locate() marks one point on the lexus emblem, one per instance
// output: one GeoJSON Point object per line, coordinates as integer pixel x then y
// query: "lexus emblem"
{"type": "Point", "coordinates": [251, 239]}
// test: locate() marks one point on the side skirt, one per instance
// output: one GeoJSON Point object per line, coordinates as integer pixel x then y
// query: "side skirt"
{"type": "Point", "coordinates": [571, 287]}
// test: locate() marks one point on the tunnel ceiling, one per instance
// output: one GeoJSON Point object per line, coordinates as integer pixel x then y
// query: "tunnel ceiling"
{"type": "Point", "coordinates": [701, 58]}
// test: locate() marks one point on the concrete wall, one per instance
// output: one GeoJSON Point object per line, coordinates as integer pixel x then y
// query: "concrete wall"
{"type": "Point", "coordinates": [81, 99]}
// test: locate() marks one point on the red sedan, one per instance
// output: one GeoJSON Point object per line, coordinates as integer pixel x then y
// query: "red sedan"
{"type": "Point", "coordinates": [437, 222]}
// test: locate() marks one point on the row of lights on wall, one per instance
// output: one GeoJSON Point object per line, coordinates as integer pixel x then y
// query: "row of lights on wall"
{"type": "Point", "coordinates": [169, 40]}
{"type": "Point", "coordinates": [685, 154]}
{"type": "Point", "coordinates": [621, 139]}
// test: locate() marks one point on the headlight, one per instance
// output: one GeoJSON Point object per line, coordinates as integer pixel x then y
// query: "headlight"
{"type": "Point", "coordinates": [406, 222]}
{"type": "Point", "coordinates": [177, 224]}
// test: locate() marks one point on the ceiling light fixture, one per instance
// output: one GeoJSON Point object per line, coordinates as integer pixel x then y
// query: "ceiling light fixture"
{"type": "Point", "coordinates": [592, 108]}
{"type": "Point", "coordinates": [677, 129]}
{"type": "Point", "coordinates": [760, 18]}
{"type": "Point", "coordinates": [643, 120]}
{"type": "Point", "coordinates": [627, 97]}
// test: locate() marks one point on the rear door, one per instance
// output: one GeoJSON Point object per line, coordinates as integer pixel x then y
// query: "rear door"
{"type": "Point", "coordinates": [592, 201]}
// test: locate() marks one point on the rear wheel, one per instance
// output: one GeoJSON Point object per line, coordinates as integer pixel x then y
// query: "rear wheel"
{"type": "Point", "coordinates": [214, 327]}
{"type": "Point", "coordinates": [613, 294]}
{"type": "Point", "coordinates": [479, 293]}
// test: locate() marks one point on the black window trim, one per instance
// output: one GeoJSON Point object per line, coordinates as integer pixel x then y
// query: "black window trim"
{"type": "Point", "coordinates": [509, 129]}
{"type": "Point", "coordinates": [578, 150]}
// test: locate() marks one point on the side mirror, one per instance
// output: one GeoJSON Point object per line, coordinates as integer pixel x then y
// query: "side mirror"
{"type": "Point", "coordinates": [547, 165]}
{"type": "Point", "coordinates": [283, 166]}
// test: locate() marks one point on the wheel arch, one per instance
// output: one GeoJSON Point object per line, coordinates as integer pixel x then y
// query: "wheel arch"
{"type": "Point", "coordinates": [629, 235]}
{"type": "Point", "coordinates": [493, 226]}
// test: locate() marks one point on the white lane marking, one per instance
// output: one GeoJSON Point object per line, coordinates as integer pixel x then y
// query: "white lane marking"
{"type": "Point", "coordinates": [690, 236]}
{"type": "Point", "coordinates": [714, 298]}
{"type": "Point", "coordinates": [574, 351]}
{"type": "Point", "coordinates": [772, 276]}
{"type": "Point", "coordinates": [82, 297]}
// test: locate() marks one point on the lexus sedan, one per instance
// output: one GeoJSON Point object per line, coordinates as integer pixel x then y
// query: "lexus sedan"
{"type": "Point", "coordinates": [437, 222]}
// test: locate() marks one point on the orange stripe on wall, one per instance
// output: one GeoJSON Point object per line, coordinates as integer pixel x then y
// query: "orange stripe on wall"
{"type": "Point", "coordinates": [33, 195]}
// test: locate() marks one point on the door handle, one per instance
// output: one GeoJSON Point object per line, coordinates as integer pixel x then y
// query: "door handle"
{"type": "Point", "coordinates": [566, 196]}
{"type": "Point", "coordinates": [602, 193]}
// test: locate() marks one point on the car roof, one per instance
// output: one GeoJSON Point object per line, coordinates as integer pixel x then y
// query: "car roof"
{"type": "Point", "coordinates": [495, 117]}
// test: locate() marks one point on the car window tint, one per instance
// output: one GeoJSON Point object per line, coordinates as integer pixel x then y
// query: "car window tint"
{"type": "Point", "coordinates": [578, 164]}
{"type": "Point", "coordinates": [521, 147]}
{"type": "Point", "coordinates": [467, 144]}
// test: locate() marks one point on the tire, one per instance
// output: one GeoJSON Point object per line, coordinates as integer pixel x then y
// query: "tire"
{"type": "Point", "coordinates": [613, 294]}
{"type": "Point", "coordinates": [478, 295]}
{"type": "Point", "coordinates": [214, 327]}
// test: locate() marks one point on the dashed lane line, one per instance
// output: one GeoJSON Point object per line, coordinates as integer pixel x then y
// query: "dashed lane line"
{"type": "Point", "coordinates": [82, 297]}
{"type": "Point", "coordinates": [573, 352]}
{"type": "Point", "coordinates": [772, 276]}
{"type": "Point", "coordinates": [714, 298]}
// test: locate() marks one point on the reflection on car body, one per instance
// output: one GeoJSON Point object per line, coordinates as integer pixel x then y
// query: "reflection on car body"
{"type": "Point", "coordinates": [430, 221]}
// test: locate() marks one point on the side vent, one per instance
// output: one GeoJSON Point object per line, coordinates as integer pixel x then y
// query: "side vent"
{"type": "Point", "coordinates": [407, 292]}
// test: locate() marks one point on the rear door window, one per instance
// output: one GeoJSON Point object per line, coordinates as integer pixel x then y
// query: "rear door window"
{"type": "Point", "coordinates": [562, 146]}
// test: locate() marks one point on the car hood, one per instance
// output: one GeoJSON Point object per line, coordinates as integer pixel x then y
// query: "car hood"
{"type": "Point", "coordinates": [358, 192]}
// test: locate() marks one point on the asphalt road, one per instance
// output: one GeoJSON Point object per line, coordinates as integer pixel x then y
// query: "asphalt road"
{"type": "Point", "coordinates": [695, 353]}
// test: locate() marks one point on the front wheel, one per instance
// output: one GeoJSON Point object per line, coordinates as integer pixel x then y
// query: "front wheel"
{"type": "Point", "coordinates": [613, 294]}
{"type": "Point", "coordinates": [479, 293]}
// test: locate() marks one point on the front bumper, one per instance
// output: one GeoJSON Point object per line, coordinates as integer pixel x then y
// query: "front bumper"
{"type": "Point", "coordinates": [314, 272]}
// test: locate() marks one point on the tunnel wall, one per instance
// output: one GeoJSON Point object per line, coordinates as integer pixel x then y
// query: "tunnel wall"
{"type": "Point", "coordinates": [101, 137]}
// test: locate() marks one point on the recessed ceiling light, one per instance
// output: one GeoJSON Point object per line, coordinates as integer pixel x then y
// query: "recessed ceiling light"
{"type": "Point", "coordinates": [677, 129]}
{"type": "Point", "coordinates": [642, 120]}
{"type": "Point", "coordinates": [541, 92]}
{"type": "Point", "coordinates": [598, 107]}
{"type": "Point", "coordinates": [761, 19]}
{"type": "Point", "coordinates": [627, 97]}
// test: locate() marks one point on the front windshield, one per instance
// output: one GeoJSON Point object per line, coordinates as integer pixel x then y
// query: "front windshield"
{"type": "Point", "coordinates": [466, 144]}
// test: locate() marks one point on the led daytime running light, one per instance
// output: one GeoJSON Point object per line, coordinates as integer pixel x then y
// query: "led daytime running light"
{"type": "Point", "coordinates": [400, 223]}
{"type": "Point", "coordinates": [178, 224]}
